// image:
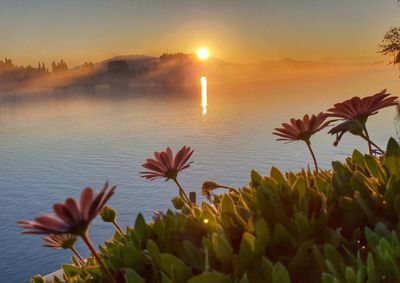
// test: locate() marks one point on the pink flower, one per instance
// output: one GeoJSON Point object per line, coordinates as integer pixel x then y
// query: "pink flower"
{"type": "Point", "coordinates": [302, 129]}
{"type": "Point", "coordinates": [165, 165]}
{"type": "Point", "coordinates": [355, 112]}
{"type": "Point", "coordinates": [361, 108]}
{"type": "Point", "coordinates": [61, 241]}
{"type": "Point", "coordinates": [70, 217]}
{"type": "Point", "coordinates": [73, 218]}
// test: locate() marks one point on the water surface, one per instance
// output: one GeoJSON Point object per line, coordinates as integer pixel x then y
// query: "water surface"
{"type": "Point", "coordinates": [52, 147]}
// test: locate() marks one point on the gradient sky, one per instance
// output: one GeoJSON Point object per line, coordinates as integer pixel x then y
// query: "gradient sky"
{"type": "Point", "coordinates": [234, 30]}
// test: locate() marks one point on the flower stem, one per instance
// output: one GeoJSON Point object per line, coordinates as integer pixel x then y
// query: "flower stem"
{"type": "Point", "coordinates": [118, 227]}
{"type": "Point", "coordinates": [313, 155]}
{"type": "Point", "coordinates": [367, 139]}
{"type": "Point", "coordinates": [107, 273]}
{"type": "Point", "coordinates": [377, 147]}
{"type": "Point", "coordinates": [81, 260]}
{"type": "Point", "coordinates": [374, 144]}
{"type": "Point", "coordinates": [182, 191]}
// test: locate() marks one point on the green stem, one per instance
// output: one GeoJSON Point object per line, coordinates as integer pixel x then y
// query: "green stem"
{"type": "Point", "coordinates": [368, 140]}
{"type": "Point", "coordinates": [107, 273]}
{"type": "Point", "coordinates": [313, 155]}
{"type": "Point", "coordinates": [118, 227]}
{"type": "Point", "coordinates": [81, 260]}
{"type": "Point", "coordinates": [374, 144]}
{"type": "Point", "coordinates": [377, 147]}
{"type": "Point", "coordinates": [182, 191]}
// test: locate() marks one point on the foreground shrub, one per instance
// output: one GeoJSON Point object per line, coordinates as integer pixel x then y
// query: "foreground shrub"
{"type": "Point", "coordinates": [340, 225]}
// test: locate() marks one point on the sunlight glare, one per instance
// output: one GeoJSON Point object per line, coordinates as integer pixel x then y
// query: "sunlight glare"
{"type": "Point", "coordinates": [202, 53]}
{"type": "Point", "coordinates": [203, 82]}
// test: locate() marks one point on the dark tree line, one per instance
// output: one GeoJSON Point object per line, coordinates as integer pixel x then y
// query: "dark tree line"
{"type": "Point", "coordinates": [59, 66]}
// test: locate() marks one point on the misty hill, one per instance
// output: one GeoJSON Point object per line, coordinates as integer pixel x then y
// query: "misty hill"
{"type": "Point", "coordinates": [133, 61]}
{"type": "Point", "coordinates": [289, 61]}
{"type": "Point", "coordinates": [168, 69]}
{"type": "Point", "coordinates": [292, 63]}
{"type": "Point", "coordinates": [325, 63]}
{"type": "Point", "coordinates": [143, 61]}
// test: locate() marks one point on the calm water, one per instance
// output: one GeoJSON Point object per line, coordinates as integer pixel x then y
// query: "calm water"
{"type": "Point", "coordinates": [50, 148]}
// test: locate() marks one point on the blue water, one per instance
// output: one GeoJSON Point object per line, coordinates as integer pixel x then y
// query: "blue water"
{"type": "Point", "coordinates": [53, 146]}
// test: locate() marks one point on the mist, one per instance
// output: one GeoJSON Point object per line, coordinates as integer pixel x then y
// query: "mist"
{"type": "Point", "coordinates": [177, 71]}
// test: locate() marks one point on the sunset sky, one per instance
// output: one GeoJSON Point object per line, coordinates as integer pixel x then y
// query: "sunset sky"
{"type": "Point", "coordinates": [234, 30]}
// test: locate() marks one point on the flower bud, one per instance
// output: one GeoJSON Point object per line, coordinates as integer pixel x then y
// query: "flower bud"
{"type": "Point", "coordinates": [108, 214]}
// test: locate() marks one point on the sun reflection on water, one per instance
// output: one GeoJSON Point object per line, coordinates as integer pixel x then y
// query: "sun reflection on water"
{"type": "Point", "coordinates": [203, 82]}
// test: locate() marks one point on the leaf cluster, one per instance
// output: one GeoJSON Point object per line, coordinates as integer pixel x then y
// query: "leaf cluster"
{"type": "Point", "coordinates": [339, 225]}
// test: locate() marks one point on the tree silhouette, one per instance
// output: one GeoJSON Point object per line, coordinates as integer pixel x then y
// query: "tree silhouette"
{"type": "Point", "coordinates": [390, 45]}
{"type": "Point", "coordinates": [59, 67]}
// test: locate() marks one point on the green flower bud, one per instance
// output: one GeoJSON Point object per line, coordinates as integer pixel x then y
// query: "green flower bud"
{"type": "Point", "coordinates": [108, 214]}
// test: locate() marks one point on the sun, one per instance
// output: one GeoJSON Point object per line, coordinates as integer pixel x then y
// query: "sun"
{"type": "Point", "coordinates": [202, 53]}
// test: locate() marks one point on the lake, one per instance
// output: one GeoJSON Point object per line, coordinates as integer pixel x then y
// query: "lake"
{"type": "Point", "coordinates": [52, 146]}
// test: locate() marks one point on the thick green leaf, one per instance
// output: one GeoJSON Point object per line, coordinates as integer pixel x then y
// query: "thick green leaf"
{"type": "Point", "coordinates": [210, 277]}
{"type": "Point", "coordinates": [350, 275]}
{"type": "Point", "coordinates": [375, 168]}
{"type": "Point", "coordinates": [175, 268]}
{"type": "Point", "coordinates": [329, 278]}
{"type": "Point", "coordinates": [392, 157]}
{"type": "Point", "coordinates": [277, 175]}
{"type": "Point", "coordinates": [154, 252]}
{"type": "Point", "coordinates": [341, 179]}
{"type": "Point", "coordinates": [227, 205]}
{"type": "Point", "coordinates": [371, 269]}
{"type": "Point", "coordinates": [71, 270]}
{"type": "Point", "coordinates": [281, 236]}
{"type": "Point", "coordinates": [222, 249]}
{"type": "Point", "coordinates": [131, 276]}
{"type": "Point", "coordinates": [280, 274]}
{"type": "Point", "coordinates": [141, 230]}
{"type": "Point", "coordinates": [334, 260]}
{"type": "Point", "coordinates": [256, 179]}
{"type": "Point", "coordinates": [357, 157]}
{"type": "Point", "coordinates": [248, 248]}
{"type": "Point", "coordinates": [300, 261]}
{"type": "Point", "coordinates": [195, 256]}
{"type": "Point", "coordinates": [37, 279]}
{"type": "Point", "coordinates": [177, 202]}
{"type": "Point", "coordinates": [263, 233]}
{"type": "Point", "coordinates": [132, 258]}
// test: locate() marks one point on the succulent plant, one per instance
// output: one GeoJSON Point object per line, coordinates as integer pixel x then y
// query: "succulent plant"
{"type": "Point", "coordinates": [339, 225]}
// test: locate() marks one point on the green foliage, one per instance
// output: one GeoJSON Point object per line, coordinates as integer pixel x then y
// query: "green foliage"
{"type": "Point", "coordinates": [37, 279]}
{"type": "Point", "coordinates": [340, 226]}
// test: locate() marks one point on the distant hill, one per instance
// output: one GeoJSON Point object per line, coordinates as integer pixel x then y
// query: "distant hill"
{"type": "Point", "coordinates": [290, 63]}
{"type": "Point", "coordinates": [328, 62]}
{"type": "Point", "coordinates": [144, 61]}
{"type": "Point", "coordinates": [134, 61]}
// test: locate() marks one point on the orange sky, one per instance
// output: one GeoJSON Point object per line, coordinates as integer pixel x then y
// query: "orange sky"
{"type": "Point", "coordinates": [234, 30]}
